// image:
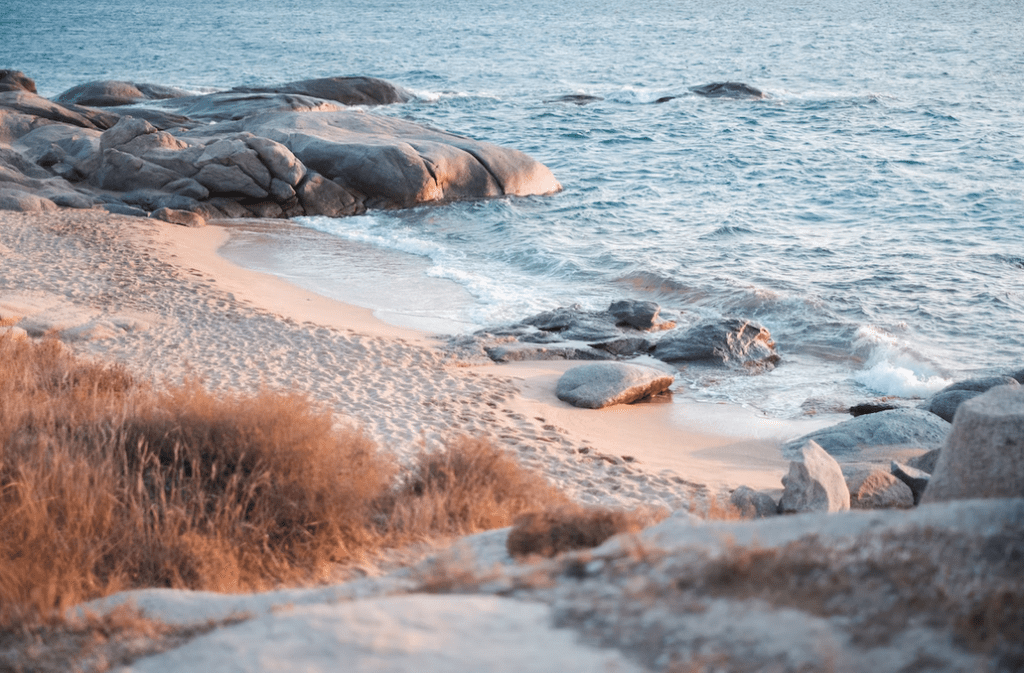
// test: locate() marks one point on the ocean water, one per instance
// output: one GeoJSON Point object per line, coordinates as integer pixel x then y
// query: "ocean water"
{"type": "Point", "coordinates": [869, 212]}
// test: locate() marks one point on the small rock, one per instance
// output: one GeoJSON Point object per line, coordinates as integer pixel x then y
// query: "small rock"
{"type": "Point", "coordinates": [984, 456]}
{"type": "Point", "coordinates": [916, 479]}
{"type": "Point", "coordinates": [875, 489]}
{"type": "Point", "coordinates": [753, 504]}
{"type": "Point", "coordinates": [728, 90]}
{"type": "Point", "coordinates": [926, 461]}
{"type": "Point", "coordinates": [600, 385]}
{"type": "Point", "coordinates": [814, 484]}
{"type": "Point", "coordinates": [870, 408]}
{"type": "Point", "coordinates": [182, 217]}
{"type": "Point", "coordinates": [642, 315]}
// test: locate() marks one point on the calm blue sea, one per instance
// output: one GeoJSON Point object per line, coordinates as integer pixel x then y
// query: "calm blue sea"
{"type": "Point", "coordinates": [870, 212]}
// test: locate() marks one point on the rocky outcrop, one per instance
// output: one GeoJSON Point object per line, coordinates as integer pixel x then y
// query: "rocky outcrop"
{"type": "Point", "coordinates": [729, 341]}
{"type": "Point", "coordinates": [294, 149]}
{"type": "Point", "coordinates": [815, 483]}
{"type": "Point", "coordinates": [896, 427]}
{"type": "Point", "coordinates": [604, 384]}
{"type": "Point", "coordinates": [984, 456]}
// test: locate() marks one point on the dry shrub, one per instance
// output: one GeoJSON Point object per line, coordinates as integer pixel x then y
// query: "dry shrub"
{"type": "Point", "coordinates": [553, 531]}
{"type": "Point", "coordinates": [469, 487]}
{"type": "Point", "coordinates": [107, 484]}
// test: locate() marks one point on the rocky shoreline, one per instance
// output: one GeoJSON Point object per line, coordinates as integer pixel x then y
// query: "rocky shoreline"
{"type": "Point", "coordinates": [301, 148]}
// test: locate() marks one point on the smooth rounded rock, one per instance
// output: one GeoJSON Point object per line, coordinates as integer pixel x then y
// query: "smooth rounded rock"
{"type": "Point", "coordinates": [914, 427]}
{"type": "Point", "coordinates": [602, 384]}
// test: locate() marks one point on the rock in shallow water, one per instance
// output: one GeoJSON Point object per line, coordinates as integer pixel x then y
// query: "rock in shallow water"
{"type": "Point", "coordinates": [729, 341]}
{"type": "Point", "coordinates": [600, 385]}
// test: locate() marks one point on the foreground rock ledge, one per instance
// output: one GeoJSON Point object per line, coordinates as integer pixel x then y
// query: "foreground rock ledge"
{"type": "Point", "coordinates": [295, 149]}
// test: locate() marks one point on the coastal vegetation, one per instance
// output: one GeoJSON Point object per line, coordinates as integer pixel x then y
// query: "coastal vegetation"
{"type": "Point", "coordinates": [108, 483]}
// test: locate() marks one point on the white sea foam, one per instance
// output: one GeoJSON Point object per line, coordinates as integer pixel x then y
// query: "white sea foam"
{"type": "Point", "coordinates": [893, 367]}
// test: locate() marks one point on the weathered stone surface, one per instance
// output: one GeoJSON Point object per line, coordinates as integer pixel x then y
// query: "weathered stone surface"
{"type": "Point", "coordinates": [320, 196]}
{"type": "Point", "coordinates": [124, 209]}
{"type": "Point", "coordinates": [268, 158]}
{"type": "Point", "coordinates": [815, 483]}
{"type": "Point", "coordinates": [25, 202]}
{"type": "Point", "coordinates": [728, 90]}
{"type": "Point", "coordinates": [122, 172]}
{"type": "Point", "coordinates": [926, 461]}
{"type": "Point", "coordinates": [37, 106]}
{"type": "Point", "coordinates": [981, 384]}
{"type": "Point", "coordinates": [625, 346]}
{"type": "Point", "coordinates": [344, 90]}
{"type": "Point", "coordinates": [280, 161]}
{"type": "Point", "coordinates": [182, 217]}
{"type": "Point", "coordinates": [222, 107]}
{"type": "Point", "coordinates": [15, 80]}
{"type": "Point", "coordinates": [753, 504]}
{"type": "Point", "coordinates": [731, 340]}
{"type": "Point", "coordinates": [641, 315]}
{"type": "Point", "coordinates": [105, 93]}
{"type": "Point", "coordinates": [517, 352]}
{"type": "Point", "coordinates": [914, 478]}
{"type": "Point", "coordinates": [221, 179]}
{"type": "Point", "coordinates": [984, 455]}
{"type": "Point", "coordinates": [604, 384]}
{"type": "Point", "coordinates": [876, 489]}
{"type": "Point", "coordinates": [914, 427]}
{"type": "Point", "coordinates": [945, 404]}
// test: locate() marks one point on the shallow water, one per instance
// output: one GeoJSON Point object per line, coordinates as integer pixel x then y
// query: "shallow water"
{"type": "Point", "coordinates": [869, 212]}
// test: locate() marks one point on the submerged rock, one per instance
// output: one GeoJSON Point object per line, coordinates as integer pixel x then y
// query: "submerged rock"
{"type": "Point", "coordinates": [604, 384]}
{"type": "Point", "coordinates": [728, 90]}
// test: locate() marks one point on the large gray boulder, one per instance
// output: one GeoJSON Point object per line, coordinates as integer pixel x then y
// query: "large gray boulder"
{"type": "Point", "coordinates": [984, 455]}
{"type": "Point", "coordinates": [728, 341]}
{"type": "Point", "coordinates": [602, 384]}
{"type": "Point", "coordinates": [815, 483]}
{"type": "Point", "coordinates": [896, 427]}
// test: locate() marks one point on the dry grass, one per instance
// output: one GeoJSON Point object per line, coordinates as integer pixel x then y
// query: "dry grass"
{"type": "Point", "coordinates": [106, 485]}
{"type": "Point", "coordinates": [553, 531]}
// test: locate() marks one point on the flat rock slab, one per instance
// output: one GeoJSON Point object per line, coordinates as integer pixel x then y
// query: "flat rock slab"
{"type": "Point", "coordinates": [603, 384]}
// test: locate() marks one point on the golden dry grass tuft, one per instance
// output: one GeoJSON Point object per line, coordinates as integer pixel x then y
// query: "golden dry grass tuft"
{"type": "Point", "coordinates": [107, 484]}
{"type": "Point", "coordinates": [552, 531]}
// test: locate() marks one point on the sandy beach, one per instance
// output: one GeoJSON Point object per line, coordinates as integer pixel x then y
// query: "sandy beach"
{"type": "Point", "coordinates": [158, 297]}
